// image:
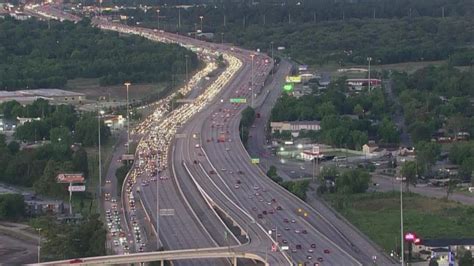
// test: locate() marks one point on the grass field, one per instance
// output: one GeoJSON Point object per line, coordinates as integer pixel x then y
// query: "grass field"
{"type": "Point", "coordinates": [378, 216]}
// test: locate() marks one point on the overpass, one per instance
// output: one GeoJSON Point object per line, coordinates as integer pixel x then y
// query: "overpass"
{"type": "Point", "coordinates": [185, 254]}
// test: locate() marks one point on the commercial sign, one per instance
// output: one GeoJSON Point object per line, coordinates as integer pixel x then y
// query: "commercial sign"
{"type": "Point", "coordinates": [238, 100]}
{"type": "Point", "coordinates": [293, 79]}
{"type": "Point", "coordinates": [77, 188]}
{"type": "Point", "coordinates": [288, 87]}
{"type": "Point", "coordinates": [70, 178]}
{"type": "Point", "coordinates": [255, 160]}
{"type": "Point", "coordinates": [128, 157]}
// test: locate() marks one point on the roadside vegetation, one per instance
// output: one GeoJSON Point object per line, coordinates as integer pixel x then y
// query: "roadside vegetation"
{"type": "Point", "coordinates": [378, 215]}
{"type": "Point", "coordinates": [36, 54]}
{"type": "Point", "coordinates": [85, 238]}
{"type": "Point", "coordinates": [248, 117]}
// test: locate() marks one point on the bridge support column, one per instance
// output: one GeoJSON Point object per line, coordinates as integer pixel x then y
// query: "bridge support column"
{"type": "Point", "coordinates": [163, 263]}
{"type": "Point", "coordinates": [234, 261]}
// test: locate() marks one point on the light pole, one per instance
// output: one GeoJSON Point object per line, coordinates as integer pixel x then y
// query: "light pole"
{"type": "Point", "coordinates": [201, 17]}
{"type": "Point", "coordinates": [251, 82]}
{"type": "Point", "coordinates": [273, 61]}
{"type": "Point", "coordinates": [127, 84]}
{"type": "Point", "coordinates": [157, 200]}
{"type": "Point", "coordinates": [99, 115]}
{"type": "Point", "coordinates": [369, 59]}
{"type": "Point", "coordinates": [158, 11]}
{"type": "Point", "coordinates": [222, 38]}
{"type": "Point", "coordinates": [401, 179]}
{"type": "Point", "coordinates": [39, 244]}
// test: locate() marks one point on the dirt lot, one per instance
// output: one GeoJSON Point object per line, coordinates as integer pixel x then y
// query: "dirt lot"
{"type": "Point", "coordinates": [17, 246]}
{"type": "Point", "coordinates": [113, 93]}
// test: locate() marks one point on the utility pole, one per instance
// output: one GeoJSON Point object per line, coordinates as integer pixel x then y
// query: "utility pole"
{"type": "Point", "coordinates": [39, 244]}
{"type": "Point", "coordinates": [273, 60]}
{"type": "Point", "coordinates": [157, 201]}
{"type": "Point", "coordinates": [442, 11]}
{"type": "Point", "coordinates": [369, 83]}
{"type": "Point", "coordinates": [127, 84]}
{"type": "Point", "coordinates": [179, 18]}
{"type": "Point", "coordinates": [251, 82]}
{"type": "Point", "coordinates": [99, 114]}
{"type": "Point", "coordinates": [158, 11]}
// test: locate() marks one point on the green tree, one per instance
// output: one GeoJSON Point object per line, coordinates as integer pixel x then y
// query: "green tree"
{"type": "Point", "coordinates": [47, 184]}
{"type": "Point", "coordinates": [272, 171]}
{"type": "Point", "coordinates": [426, 154]}
{"type": "Point", "coordinates": [12, 207]}
{"type": "Point", "coordinates": [80, 162]}
{"type": "Point", "coordinates": [410, 172]}
{"type": "Point", "coordinates": [353, 181]}
{"type": "Point", "coordinates": [388, 132]}
{"type": "Point", "coordinates": [466, 259]}
{"type": "Point", "coordinates": [13, 147]}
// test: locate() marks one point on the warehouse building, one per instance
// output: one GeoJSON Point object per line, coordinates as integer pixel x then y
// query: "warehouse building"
{"type": "Point", "coordinates": [54, 96]}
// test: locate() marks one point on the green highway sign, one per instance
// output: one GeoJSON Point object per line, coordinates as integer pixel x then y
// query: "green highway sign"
{"type": "Point", "coordinates": [255, 160]}
{"type": "Point", "coordinates": [288, 87]}
{"type": "Point", "coordinates": [238, 100]}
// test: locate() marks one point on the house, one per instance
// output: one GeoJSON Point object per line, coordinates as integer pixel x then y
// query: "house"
{"type": "Point", "coordinates": [370, 147]}
{"type": "Point", "coordinates": [443, 249]}
{"type": "Point", "coordinates": [295, 126]}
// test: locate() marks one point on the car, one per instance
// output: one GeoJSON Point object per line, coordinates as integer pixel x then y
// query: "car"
{"type": "Point", "coordinates": [107, 181]}
{"type": "Point", "coordinates": [212, 172]}
{"type": "Point", "coordinates": [313, 245]}
{"type": "Point", "coordinates": [304, 232]}
{"type": "Point", "coordinates": [223, 169]}
{"type": "Point", "coordinates": [259, 216]}
{"type": "Point", "coordinates": [274, 200]}
{"type": "Point", "coordinates": [279, 208]}
{"type": "Point", "coordinates": [271, 211]}
{"type": "Point", "coordinates": [285, 220]}
{"type": "Point", "coordinates": [76, 261]}
{"type": "Point", "coordinates": [284, 241]}
{"type": "Point", "coordinates": [116, 243]}
{"type": "Point", "coordinates": [298, 246]}
{"type": "Point", "coordinates": [236, 186]}
{"type": "Point", "coordinates": [254, 209]}
{"type": "Point", "coordinates": [320, 259]}
{"type": "Point", "coordinates": [326, 251]}
{"type": "Point", "coordinates": [240, 172]}
{"type": "Point", "coordinates": [293, 221]}
{"type": "Point", "coordinates": [297, 231]}
{"type": "Point", "coordinates": [264, 212]}
{"type": "Point", "coordinates": [309, 257]}
{"type": "Point", "coordinates": [310, 250]}
{"type": "Point", "coordinates": [256, 187]}
{"type": "Point", "coordinates": [294, 250]}
{"type": "Point", "coordinates": [287, 229]}
{"type": "Point", "coordinates": [238, 181]}
{"type": "Point", "coordinates": [195, 162]}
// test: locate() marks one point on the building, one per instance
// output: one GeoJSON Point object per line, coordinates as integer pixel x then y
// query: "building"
{"type": "Point", "coordinates": [53, 95]}
{"type": "Point", "coordinates": [358, 84]}
{"type": "Point", "coordinates": [370, 147]}
{"type": "Point", "coordinates": [295, 126]}
{"type": "Point", "coordinates": [40, 207]}
{"type": "Point", "coordinates": [442, 249]}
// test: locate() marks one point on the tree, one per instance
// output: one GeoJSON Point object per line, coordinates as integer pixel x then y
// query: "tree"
{"type": "Point", "coordinates": [13, 147]}
{"type": "Point", "coordinates": [358, 110]}
{"type": "Point", "coordinates": [272, 171]}
{"type": "Point", "coordinates": [410, 172]}
{"type": "Point", "coordinates": [466, 259]}
{"type": "Point", "coordinates": [388, 132]}
{"type": "Point", "coordinates": [353, 181]}
{"type": "Point", "coordinates": [426, 154]}
{"type": "Point", "coordinates": [80, 162]}
{"type": "Point", "coordinates": [47, 184]}
{"type": "Point", "coordinates": [12, 206]}
{"type": "Point", "coordinates": [450, 186]}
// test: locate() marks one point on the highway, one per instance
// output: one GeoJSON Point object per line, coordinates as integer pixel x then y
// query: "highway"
{"type": "Point", "coordinates": [221, 176]}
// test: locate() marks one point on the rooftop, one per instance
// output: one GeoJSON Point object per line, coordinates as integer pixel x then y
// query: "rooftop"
{"type": "Point", "coordinates": [448, 242]}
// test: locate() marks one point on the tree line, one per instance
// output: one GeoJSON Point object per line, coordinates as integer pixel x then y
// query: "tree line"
{"type": "Point", "coordinates": [38, 54]}
{"type": "Point", "coordinates": [320, 32]}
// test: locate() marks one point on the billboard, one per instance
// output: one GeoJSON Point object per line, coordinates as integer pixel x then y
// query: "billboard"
{"type": "Point", "coordinates": [238, 100]}
{"type": "Point", "coordinates": [77, 188]}
{"type": "Point", "coordinates": [70, 178]}
{"type": "Point", "coordinates": [255, 160]}
{"type": "Point", "coordinates": [288, 87]}
{"type": "Point", "coordinates": [128, 157]}
{"type": "Point", "coordinates": [293, 79]}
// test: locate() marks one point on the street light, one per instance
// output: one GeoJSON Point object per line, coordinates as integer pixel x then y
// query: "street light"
{"type": "Point", "coordinates": [127, 84]}
{"type": "Point", "coordinates": [201, 17]}
{"type": "Point", "coordinates": [273, 61]}
{"type": "Point", "coordinates": [401, 179]}
{"type": "Point", "coordinates": [251, 83]}
{"type": "Point", "coordinates": [158, 11]}
{"type": "Point", "coordinates": [39, 244]}
{"type": "Point", "coordinates": [369, 59]}
{"type": "Point", "coordinates": [157, 199]}
{"type": "Point", "coordinates": [100, 114]}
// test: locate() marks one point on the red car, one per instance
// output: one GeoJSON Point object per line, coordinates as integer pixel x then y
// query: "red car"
{"type": "Point", "coordinates": [76, 261]}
